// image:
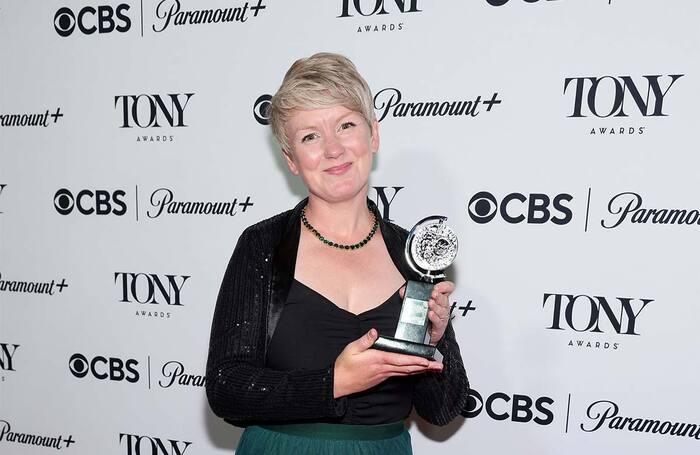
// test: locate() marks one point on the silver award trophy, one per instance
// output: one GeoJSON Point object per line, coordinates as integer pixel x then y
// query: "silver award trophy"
{"type": "Point", "coordinates": [431, 247]}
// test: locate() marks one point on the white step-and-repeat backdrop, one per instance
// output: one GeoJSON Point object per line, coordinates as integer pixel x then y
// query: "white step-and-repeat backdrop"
{"type": "Point", "coordinates": [558, 136]}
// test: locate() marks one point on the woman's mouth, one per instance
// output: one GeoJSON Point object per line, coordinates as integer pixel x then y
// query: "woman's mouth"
{"type": "Point", "coordinates": [338, 170]}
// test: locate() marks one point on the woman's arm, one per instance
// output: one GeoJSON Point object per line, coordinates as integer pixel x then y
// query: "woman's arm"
{"type": "Point", "coordinates": [440, 397]}
{"type": "Point", "coordinates": [239, 387]}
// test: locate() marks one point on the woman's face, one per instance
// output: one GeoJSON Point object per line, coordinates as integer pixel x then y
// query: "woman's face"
{"type": "Point", "coordinates": [331, 150]}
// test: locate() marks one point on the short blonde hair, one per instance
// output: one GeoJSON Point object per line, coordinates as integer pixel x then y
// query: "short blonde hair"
{"type": "Point", "coordinates": [322, 80]}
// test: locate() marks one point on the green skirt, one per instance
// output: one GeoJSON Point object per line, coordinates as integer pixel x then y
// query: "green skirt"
{"type": "Point", "coordinates": [325, 438]}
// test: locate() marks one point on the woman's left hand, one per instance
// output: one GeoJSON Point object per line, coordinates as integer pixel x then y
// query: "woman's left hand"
{"type": "Point", "coordinates": [438, 309]}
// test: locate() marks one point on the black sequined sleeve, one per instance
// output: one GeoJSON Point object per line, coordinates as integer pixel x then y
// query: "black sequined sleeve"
{"type": "Point", "coordinates": [239, 387]}
{"type": "Point", "coordinates": [439, 397]}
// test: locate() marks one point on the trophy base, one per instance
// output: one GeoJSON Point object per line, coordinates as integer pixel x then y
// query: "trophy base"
{"type": "Point", "coordinates": [405, 347]}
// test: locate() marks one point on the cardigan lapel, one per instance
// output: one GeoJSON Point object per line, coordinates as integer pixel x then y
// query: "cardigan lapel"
{"type": "Point", "coordinates": [284, 261]}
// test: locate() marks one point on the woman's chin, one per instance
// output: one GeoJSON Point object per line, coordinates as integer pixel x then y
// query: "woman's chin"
{"type": "Point", "coordinates": [342, 192]}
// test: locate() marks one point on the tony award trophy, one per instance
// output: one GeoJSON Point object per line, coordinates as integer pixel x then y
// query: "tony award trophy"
{"type": "Point", "coordinates": [431, 247]}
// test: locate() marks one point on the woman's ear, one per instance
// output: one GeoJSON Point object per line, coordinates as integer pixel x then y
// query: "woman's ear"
{"type": "Point", "coordinates": [290, 162]}
{"type": "Point", "coordinates": [374, 139]}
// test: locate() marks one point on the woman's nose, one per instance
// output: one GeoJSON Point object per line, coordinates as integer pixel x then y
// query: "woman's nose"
{"type": "Point", "coordinates": [333, 147]}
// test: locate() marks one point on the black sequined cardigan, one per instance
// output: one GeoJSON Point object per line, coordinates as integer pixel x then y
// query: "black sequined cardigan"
{"type": "Point", "coordinates": [243, 391]}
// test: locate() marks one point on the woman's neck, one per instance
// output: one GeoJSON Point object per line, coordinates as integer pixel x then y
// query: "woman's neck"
{"type": "Point", "coordinates": [343, 221]}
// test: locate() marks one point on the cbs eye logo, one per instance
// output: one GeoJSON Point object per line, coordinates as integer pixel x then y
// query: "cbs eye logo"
{"type": "Point", "coordinates": [90, 20]}
{"type": "Point", "coordinates": [261, 109]}
{"type": "Point", "coordinates": [514, 208]}
{"type": "Point", "coordinates": [516, 408]}
{"type": "Point", "coordinates": [112, 368]}
{"type": "Point", "coordinates": [87, 202]}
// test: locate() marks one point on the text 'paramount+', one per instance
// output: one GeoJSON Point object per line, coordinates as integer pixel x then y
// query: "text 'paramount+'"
{"type": "Point", "coordinates": [163, 201]}
{"type": "Point", "coordinates": [627, 208]}
{"type": "Point", "coordinates": [606, 413]}
{"type": "Point", "coordinates": [389, 101]}
{"type": "Point", "coordinates": [32, 439]}
{"type": "Point", "coordinates": [32, 287]}
{"type": "Point", "coordinates": [33, 119]}
{"type": "Point", "coordinates": [171, 12]}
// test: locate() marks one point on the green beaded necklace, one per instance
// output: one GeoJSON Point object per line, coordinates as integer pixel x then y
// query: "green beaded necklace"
{"type": "Point", "coordinates": [340, 246]}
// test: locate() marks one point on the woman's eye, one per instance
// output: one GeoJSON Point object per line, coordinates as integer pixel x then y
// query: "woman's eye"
{"type": "Point", "coordinates": [308, 137]}
{"type": "Point", "coordinates": [347, 125]}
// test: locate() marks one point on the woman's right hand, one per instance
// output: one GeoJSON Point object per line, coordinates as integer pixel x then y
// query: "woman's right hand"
{"type": "Point", "coordinates": [358, 367]}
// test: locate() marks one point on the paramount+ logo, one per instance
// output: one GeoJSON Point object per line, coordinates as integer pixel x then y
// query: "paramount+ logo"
{"type": "Point", "coordinates": [104, 368]}
{"type": "Point", "coordinates": [517, 408]}
{"type": "Point", "coordinates": [89, 20]}
{"type": "Point", "coordinates": [174, 372]}
{"type": "Point", "coordinates": [628, 207]}
{"type": "Point", "coordinates": [515, 208]}
{"type": "Point", "coordinates": [89, 202]}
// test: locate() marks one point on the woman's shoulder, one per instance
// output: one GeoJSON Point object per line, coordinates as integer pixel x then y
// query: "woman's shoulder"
{"type": "Point", "coordinates": [398, 229]}
{"type": "Point", "coordinates": [397, 232]}
{"type": "Point", "coordinates": [266, 234]}
{"type": "Point", "coordinates": [269, 225]}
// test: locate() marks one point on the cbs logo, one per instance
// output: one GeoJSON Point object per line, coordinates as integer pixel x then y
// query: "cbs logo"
{"type": "Point", "coordinates": [99, 202]}
{"type": "Point", "coordinates": [103, 368]}
{"type": "Point", "coordinates": [535, 208]}
{"type": "Point", "coordinates": [518, 408]}
{"type": "Point", "coordinates": [261, 109]}
{"type": "Point", "coordinates": [91, 20]}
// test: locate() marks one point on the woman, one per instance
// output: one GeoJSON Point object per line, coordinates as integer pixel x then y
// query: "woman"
{"type": "Point", "coordinates": [305, 294]}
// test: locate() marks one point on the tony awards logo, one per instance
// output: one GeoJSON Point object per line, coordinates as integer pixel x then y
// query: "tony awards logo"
{"type": "Point", "coordinates": [431, 247]}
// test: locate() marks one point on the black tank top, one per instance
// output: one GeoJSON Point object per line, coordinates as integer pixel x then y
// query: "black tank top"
{"type": "Point", "coordinates": [311, 333]}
